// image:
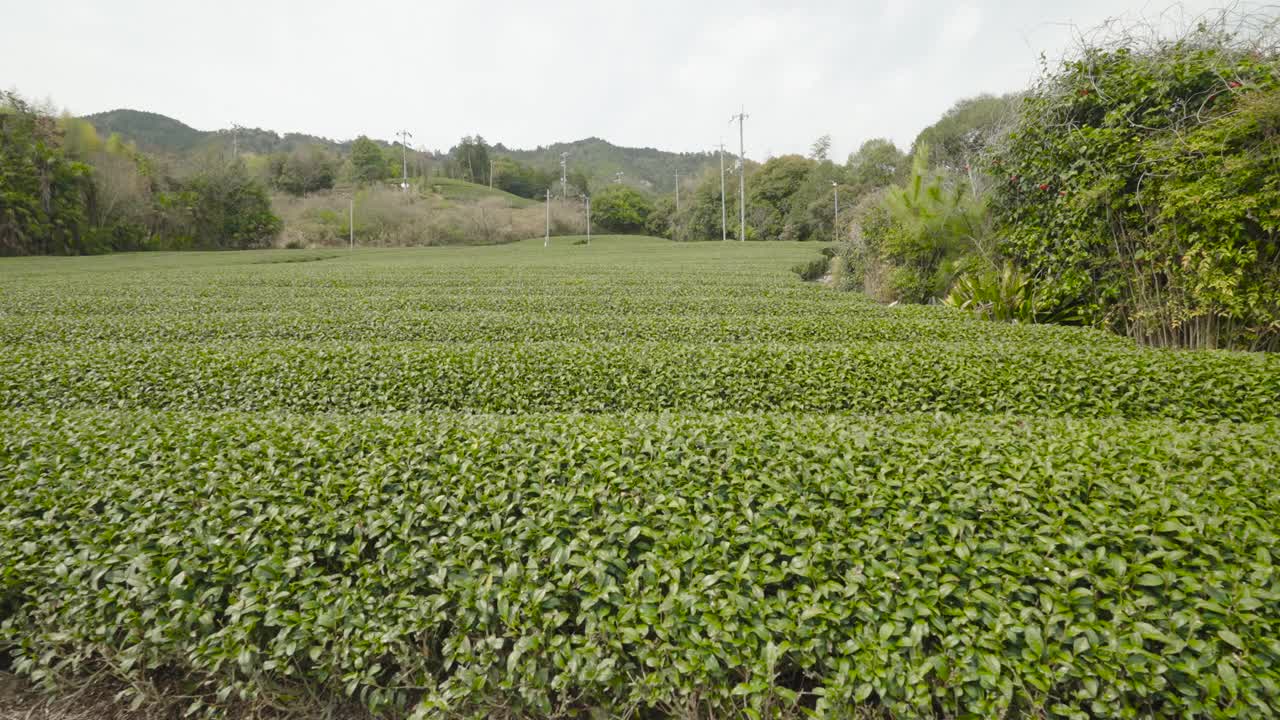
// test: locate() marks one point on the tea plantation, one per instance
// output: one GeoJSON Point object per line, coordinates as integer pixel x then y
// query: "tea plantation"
{"type": "Point", "coordinates": [625, 479]}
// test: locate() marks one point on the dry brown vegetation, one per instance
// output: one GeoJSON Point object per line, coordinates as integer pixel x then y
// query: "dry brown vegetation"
{"type": "Point", "coordinates": [388, 217]}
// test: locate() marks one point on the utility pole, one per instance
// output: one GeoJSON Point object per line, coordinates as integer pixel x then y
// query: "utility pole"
{"type": "Point", "coordinates": [724, 211]}
{"type": "Point", "coordinates": [564, 176]}
{"type": "Point", "coordinates": [677, 193]}
{"type": "Point", "coordinates": [588, 200]}
{"type": "Point", "coordinates": [547, 240]}
{"type": "Point", "coordinates": [490, 173]}
{"type": "Point", "coordinates": [351, 225]}
{"type": "Point", "coordinates": [835, 219]}
{"type": "Point", "coordinates": [741, 117]}
{"type": "Point", "coordinates": [404, 136]}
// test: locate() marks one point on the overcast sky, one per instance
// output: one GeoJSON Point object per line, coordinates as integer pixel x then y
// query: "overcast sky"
{"type": "Point", "coordinates": [657, 73]}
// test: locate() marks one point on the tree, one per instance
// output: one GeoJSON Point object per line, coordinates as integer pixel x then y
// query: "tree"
{"type": "Point", "coordinates": [469, 160]}
{"type": "Point", "coordinates": [304, 170]}
{"type": "Point", "coordinates": [770, 191]}
{"type": "Point", "coordinates": [967, 130]}
{"type": "Point", "coordinates": [520, 179]}
{"type": "Point", "coordinates": [661, 221]}
{"type": "Point", "coordinates": [700, 214]}
{"type": "Point", "coordinates": [877, 164]}
{"type": "Point", "coordinates": [368, 164]}
{"type": "Point", "coordinates": [621, 209]}
{"type": "Point", "coordinates": [42, 190]}
{"type": "Point", "coordinates": [820, 148]}
{"type": "Point", "coordinates": [230, 209]}
{"type": "Point", "coordinates": [921, 232]}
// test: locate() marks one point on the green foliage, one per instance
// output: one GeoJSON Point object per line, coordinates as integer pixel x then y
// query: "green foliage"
{"type": "Point", "coordinates": [662, 219]}
{"type": "Point", "coordinates": [367, 161]}
{"type": "Point", "coordinates": [1141, 184]}
{"type": "Point", "coordinates": [43, 193]}
{"type": "Point", "coordinates": [469, 160]}
{"type": "Point", "coordinates": [522, 180]}
{"type": "Point", "coordinates": [877, 164]}
{"type": "Point", "coordinates": [963, 136]}
{"type": "Point", "coordinates": [916, 564]}
{"type": "Point", "coordinates": [230, 210]}
{"type": "Point", "coordinates": [1007, 295]}
{"type": "Point", "coordinates": [770, 191]}
{"type": "Point", "coordinates": [152, 131]}
{"type": "Point", "coordinates": [923, 232]}
{"type": "Point", "coordinates": [812, 269]}
{"type": "Point", "coordinates": [599, 161]}
{"type": "Point", "coordinates": [302, 171]}
{"type": "Point", "coordinates": [665, 479]}
{"type": "Point", "coordinates": [621, 209]}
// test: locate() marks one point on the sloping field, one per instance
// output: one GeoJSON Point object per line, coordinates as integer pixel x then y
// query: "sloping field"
{"type": "Point", "coordinates": [633, 478]}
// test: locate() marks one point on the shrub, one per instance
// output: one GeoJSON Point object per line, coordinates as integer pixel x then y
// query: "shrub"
{"type": "Point", "coordinates": [1006, 296]}
{"type": "Point", "coordinates": [813, 269]}
{"type": "Point", "coordinates": [1141, 186]}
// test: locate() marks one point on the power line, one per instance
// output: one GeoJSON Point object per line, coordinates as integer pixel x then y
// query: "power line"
{"type": "Point", "coordinates": [741, 117]}
{"type": "Point", "coordinates": [564, 176]}
{"type": "Point", "coordinates": [724, 211]}
{"type": "Point", "coordinates": [835, 218]}
{"type": "Point", "coordinates": [404, 136]}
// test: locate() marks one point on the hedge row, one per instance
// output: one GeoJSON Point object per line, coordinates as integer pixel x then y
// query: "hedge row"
{"type": "Point", "coordinates": [1026, 378]}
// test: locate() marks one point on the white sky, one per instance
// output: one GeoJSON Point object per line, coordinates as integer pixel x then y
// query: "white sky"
{"type": "Point", "coordinates": [657, 73]}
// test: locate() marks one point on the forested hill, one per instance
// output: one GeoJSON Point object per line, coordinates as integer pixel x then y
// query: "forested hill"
{"type": "Point", "coordinates": [598, 159]}
{"type": "Point", "coordinates": [156, 133]}
{"type": "Point", "coordinates": [601, 160]}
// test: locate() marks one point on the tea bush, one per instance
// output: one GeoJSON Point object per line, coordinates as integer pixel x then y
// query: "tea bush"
{"type": "Point", "coordinates": [635, 478]}
{"type": "Point", "coordinates": [963, 565]}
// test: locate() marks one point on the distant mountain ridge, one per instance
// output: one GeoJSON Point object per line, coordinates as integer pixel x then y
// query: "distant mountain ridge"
{"type": "Point", "coordinates": [601, 160]}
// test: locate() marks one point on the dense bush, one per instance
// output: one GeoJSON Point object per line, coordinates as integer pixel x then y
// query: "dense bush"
{"type": "Point", "coordinates": [1141, 185]}
{"type": "Point", "coordinates": [621, 209]}
{"type": "Point", "coordinates": [302, 171]}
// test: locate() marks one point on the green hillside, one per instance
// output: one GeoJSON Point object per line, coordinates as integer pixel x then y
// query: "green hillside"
{"type": "Point", "coordinates": [648, 168]}
{"type": "Point", "coordinates": [149, 131]}
{"type": "Point", "coordinates": [157, 133]}
{"type": "Point", "coordinates": [601, 160]}
{"type": "Point", "coordinates": [466, 192]}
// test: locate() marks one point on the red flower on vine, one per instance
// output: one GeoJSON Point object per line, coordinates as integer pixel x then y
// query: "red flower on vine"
{"type": "Point", "coordinates": [1234, 84]}
{"type": "Point", "coordinates": [1044, 186]}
